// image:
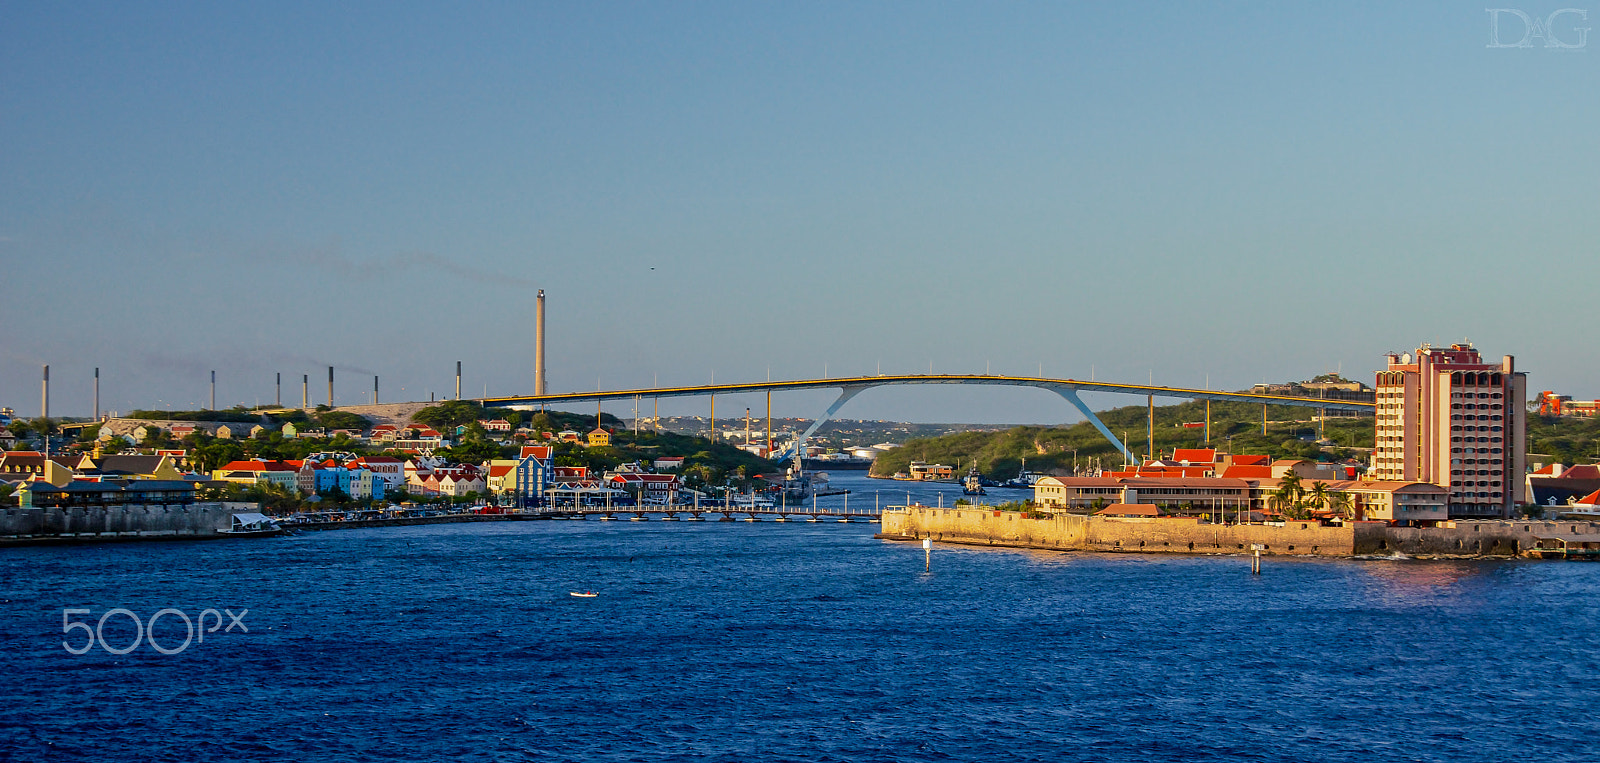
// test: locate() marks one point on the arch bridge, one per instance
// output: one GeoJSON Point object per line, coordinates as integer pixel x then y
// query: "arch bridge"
{"type": "Point", "coordinates": [849, 387]}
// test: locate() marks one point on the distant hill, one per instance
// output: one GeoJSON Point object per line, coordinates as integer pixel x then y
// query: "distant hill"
{"type": "Point", "coordinates": [1051, 449]}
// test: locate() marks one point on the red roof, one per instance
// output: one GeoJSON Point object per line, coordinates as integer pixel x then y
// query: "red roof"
{"type": "Point", "coordinates": [1129, 510]}
{"type": "Point", "coordinates": [500, 471]}
{"type": "Point", "coordinates": [1590, 499]}
{"type": "Point", "coordinates": [1582, 472]}
{"type": "Point", "coordinates": [1247, 472]}
{"type": "Point", "coordinates": [1195, 455]}
{"type": "Point", "coordinates": [259, 466]}
{"type": "Point", "coordinates": [1252, 460]}
{"type": "Point", "coordinates": [541, 452]}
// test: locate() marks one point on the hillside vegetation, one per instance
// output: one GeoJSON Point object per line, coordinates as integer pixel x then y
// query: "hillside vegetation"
{"type": "Point", "coordinates": [1234, 426]}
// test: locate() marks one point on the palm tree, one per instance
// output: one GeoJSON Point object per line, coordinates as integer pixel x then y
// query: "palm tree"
{"type": "Point", "coordinates": [1281, 498]}
{"type": "Point", "coordinates": [1340, 503]}
{"type": "Point", "coordinates": [1319, 494]}
{"type": "Point", "coordinates": [1292, 487]}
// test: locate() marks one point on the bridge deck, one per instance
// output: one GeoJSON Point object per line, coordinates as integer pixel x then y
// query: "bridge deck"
{"type": "Point", "coordinates": [863, 382]}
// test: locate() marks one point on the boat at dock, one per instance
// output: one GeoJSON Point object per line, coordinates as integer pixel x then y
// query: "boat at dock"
{"type": "Point", "coordinates": [1024, 478]}
{"type": "Point", "coordinates": [252, 525]}
{"type": "Point", "coordinates": [973, 484]}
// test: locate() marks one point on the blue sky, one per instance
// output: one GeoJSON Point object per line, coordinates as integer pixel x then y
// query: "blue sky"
{"type": "Point", "coordinates": [1224, 195]}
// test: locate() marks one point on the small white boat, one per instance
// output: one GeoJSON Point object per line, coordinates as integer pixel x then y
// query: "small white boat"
{"type": "Point", "coordinates": [585, 594]}
{"type": "Point", "coordinates": [252, 525]}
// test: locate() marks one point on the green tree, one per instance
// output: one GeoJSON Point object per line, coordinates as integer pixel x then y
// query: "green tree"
{"type": "Point", "coordinates": [1319, 494]}
{"type": "Point", "coordinates": [212, 455]}
{"type": "Point", "coordinates": [1340, 503]}
{"type": "Point", "coordinates": [343, 420]}
{"type": "Point", "coordinates": [449, 414]}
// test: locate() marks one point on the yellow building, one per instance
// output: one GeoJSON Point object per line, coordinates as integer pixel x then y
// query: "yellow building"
{"type": "Point", "coordinates": [599, 438]}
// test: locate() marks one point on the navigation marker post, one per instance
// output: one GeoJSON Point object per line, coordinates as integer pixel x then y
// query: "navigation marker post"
{"type": "Point", "coordinates": [1255, 563]}
{"type": "Point", "coordinates": [927, 554]}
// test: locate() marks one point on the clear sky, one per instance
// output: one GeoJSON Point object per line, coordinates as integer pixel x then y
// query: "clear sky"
{"type": "Point", "coordinates": [1197, 195]}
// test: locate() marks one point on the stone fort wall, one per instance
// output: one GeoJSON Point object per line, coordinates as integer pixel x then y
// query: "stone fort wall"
{"type": "Point", "coordinates": [196, 519]}
{"type": "Point", "coordinates": [1190, 535]}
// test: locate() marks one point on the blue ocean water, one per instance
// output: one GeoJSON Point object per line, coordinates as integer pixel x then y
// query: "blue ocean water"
{"type": "Point", "coordinates": [815, 642]}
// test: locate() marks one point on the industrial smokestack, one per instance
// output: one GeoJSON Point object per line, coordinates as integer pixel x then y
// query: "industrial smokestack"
{"type": "Point", "coordinates": [277, 397]}
{"type": "Point", "coordinates": [44, 395]}
{"type": "Point", "coordinates": [305, 390]}
{"type": "Point", "coordinates": [374, 389]}
{"type": "Point", "coordinates": [330, 386]}
{"type": "Point", "coordinates": [458, 380]}
{"type": "Point", "coordinates": [538, 346]}
{"type": "Point", "coordinates": [97, 394]}
{"type": "Point", "coordinates": [213, 391]}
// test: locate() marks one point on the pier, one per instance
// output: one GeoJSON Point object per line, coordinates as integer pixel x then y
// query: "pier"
{"type": "Point", "coordinates": [690, 513]}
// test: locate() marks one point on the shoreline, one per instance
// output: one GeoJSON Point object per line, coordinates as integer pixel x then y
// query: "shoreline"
{"type": "Point", "coordinates": [1396, 557]}
{"type": "Point", "coordinates": [1480, 539]}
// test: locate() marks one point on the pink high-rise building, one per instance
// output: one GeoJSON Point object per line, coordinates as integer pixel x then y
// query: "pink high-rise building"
{"type": "Point", "coordinates": [1447, 417]}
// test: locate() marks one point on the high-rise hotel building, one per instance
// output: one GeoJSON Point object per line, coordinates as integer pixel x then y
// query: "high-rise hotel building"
{"type": "Point", "coordinates": [1445, 416]}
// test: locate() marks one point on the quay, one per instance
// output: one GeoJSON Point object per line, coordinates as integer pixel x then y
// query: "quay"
{"type": "Point", "coordinates": [729, 514]}
{"type": "Point", "coordinates": [605, 514]}
{"type": "Point", "coordinates": [983, 526]}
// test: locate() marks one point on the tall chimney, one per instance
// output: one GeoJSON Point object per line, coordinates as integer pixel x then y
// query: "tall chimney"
{"type": "Point", "coordinates": [44, 396]}
{"type": "Point", "coordinates": [538, 347]}
{"type": "Point", "coordinates": [305, 390]}
{"type": "Point", "coordinates": [458, 380]}
{"type": "Point", "coordinates": [330, 386]}
{"type": "Point", "coordinates": [213, 391]}
{"type": "Point", "coordinates": [277, 397]}
{"type": "Point", "coordinates": [97, 394]}
{"type": "Point", "coordinates": [374, 389]}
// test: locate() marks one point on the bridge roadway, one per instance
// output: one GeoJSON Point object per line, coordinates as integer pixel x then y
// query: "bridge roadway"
{"type": "Point", "coordinates": [853, 385]}
{"type": "Point", "coordinates": [867, 382]}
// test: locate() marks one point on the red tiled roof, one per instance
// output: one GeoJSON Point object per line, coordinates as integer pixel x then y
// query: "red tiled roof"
{"type": "Point", "coordinates": [1590, 499]}
{"type": "Point", "coordinates": [1251, 460]}
{"type": "Point", "coordinates": [1130, 509]}
{"type": "Point", "coordinates": [1195, 455]}
{"type": "Point", "coordinates": [259, 466]}
{"type": "Point", "coordinates": [1247, 472]}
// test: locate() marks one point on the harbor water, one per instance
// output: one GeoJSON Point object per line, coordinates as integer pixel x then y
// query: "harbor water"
{"type": "Point", "coordinates": [794, 641]}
